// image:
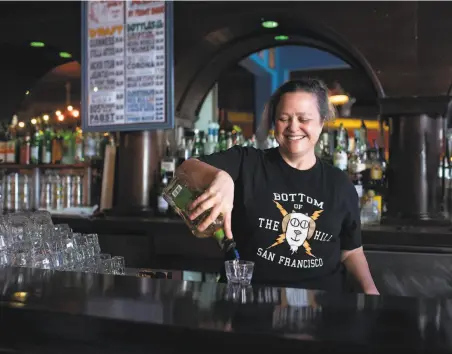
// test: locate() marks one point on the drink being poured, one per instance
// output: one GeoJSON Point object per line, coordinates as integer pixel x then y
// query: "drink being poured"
{"type": "Point", "coordinates": [180, 193]}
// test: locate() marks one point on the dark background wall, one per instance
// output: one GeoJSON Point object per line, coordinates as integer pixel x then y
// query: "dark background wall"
{"type": "Point", "coordinates": [404, 46]}
{"type": "Point", "coordinates": [236, 90]}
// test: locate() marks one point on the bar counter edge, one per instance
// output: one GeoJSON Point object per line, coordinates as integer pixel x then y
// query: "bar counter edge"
{"type": "Point", "coordinates": [50, 311]}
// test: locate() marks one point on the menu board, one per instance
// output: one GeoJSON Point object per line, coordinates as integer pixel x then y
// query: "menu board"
{"type": "Point", "coordinates": [127, 65]}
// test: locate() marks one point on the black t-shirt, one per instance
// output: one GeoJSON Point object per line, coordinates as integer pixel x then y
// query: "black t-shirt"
{"type": "Point", "coordinates": [293, 224]}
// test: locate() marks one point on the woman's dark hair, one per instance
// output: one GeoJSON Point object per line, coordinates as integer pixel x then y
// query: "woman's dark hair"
{"type": "Point", "coordinates": [309, 85]}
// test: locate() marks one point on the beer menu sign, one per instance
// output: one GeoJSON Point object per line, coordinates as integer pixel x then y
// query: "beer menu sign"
{"type": "Point", "coordinates": [127, 65]}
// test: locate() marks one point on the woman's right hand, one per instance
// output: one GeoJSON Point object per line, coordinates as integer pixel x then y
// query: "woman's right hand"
{"type": "Point", "coordinates": [220, 197]}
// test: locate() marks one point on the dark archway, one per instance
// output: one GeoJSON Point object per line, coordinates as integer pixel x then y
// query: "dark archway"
{"type": "Point", "coordinates": [225, 45]}
{"type": "Point", "coordinates": [57, 24]}
{"type": "Point", "coordinates": [49, 92]}
{"type": "Point", "coordinates": [21, 68]}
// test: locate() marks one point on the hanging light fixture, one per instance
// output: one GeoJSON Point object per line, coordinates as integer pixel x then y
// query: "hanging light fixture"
{"type": "Point", "coordinates": [337, 95]}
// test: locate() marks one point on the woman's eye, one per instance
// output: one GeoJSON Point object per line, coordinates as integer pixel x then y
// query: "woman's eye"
{"type": "Point", "coordinates": [283, 119]}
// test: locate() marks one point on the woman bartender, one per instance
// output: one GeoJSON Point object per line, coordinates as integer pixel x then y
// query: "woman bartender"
{"type": "Point", "coordinates": [295, 216]}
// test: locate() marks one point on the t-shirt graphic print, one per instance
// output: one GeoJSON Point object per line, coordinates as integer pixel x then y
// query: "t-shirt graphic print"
{"type": "Point", "coordinates": [295, 235]}
{"type": "Point", "coordinates": [298, 228]}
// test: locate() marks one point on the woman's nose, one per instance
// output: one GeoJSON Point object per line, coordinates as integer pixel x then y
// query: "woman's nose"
{"type": "Point", "coordinates": [293, 125]}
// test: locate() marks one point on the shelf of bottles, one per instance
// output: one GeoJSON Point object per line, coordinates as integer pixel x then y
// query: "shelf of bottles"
{"type": "Point", "coordinates": [195, 143]}
{"type": "Point", "coordinates": [50, 165]}
{"type": "Point", "coordinates": [364, 161]}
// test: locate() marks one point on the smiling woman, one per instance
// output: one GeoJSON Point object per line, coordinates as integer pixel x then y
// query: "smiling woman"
{"type": "Point", "coordinates": [293, 215]}
{"type": "Point", "coordinates": [298, 111]}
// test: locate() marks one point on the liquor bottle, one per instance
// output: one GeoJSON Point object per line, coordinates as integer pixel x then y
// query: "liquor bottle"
{"type": "Point", "coordinates": [376, 170]}
{"type": "Point", "coordinates": [370, 210]}
{"type": "Point", "coordinates": [183, 151]}
{"type": "Point", "coordinates": [35, 147]}
{"type": "Point", "coordinates": [11, 145]}
{"type": "Point", "coordinates": [3, 142]}
{"type": "Point", "coordinates": [25, 150]}
{"type": "Point", "coordinates": [198, 146]}
{"type": "Point", "coordinates": [68, 148]}
{"type": "Point", "coordinates": [46, 150]}
{"type": "Point", "coordinates": [325, 153]}
{"type": "Point", "coordinates": [340, 158]}
{"type": "Point", "coordinates": [363, 136]}
{"type": "Point", "coordinates": [229, 141]}
{"type": "Point", "coordinates": [180, 193]}
{"type": "Point", "coordinates": [222, 144]}
{"type": "Point", "coordinates": [209, 146]}
{"type": "Point", "coordinates": [240, 141]}
{"type": "Point", "coordinates": [57, 148]}
{"type": "Point", "coordinates": [89, 152]}
{"type": "Point", "coordinates": [162, 204]}
{"type": "Point", "coordinates": [356, 166]}
{"type": "Point", "coordinates": [79, 151]}
{"type": "Point", "coordinates": [169, 161]}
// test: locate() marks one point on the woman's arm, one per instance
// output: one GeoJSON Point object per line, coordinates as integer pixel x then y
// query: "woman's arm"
{"type": "Point", "coordinates": [356, 263]}
{"type": "Point", "coordinates": [216, 175]}
{"type": "Point", "coordinates": [352, 254]}
{"type": "Point", "coordinates": [204, 169]}
{"type": "Point", "coordinates": [198, 171]}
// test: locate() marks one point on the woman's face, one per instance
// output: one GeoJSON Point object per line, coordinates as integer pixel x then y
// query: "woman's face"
{"type": "Point", "coordinates": [298, 124]}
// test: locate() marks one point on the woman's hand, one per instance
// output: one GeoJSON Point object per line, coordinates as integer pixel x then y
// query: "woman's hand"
{"type": "Point", "coordinates": [220, 197]}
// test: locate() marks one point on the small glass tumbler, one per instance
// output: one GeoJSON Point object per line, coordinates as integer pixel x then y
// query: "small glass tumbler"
{"type": "Point", "coordinates": [239, 271]}
{"type": "Point", "coordinates": [118, 265]}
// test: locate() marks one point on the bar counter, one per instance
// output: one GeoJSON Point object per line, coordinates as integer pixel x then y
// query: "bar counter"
{"type": "Point", "coordinates": [393, 236]}
{"type": "Point", "coordinates": [54, 312]}
{"type": "Point", "coordinates": [404, 260]}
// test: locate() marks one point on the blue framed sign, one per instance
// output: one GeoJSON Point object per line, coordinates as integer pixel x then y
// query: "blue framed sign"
{"type": "Point", "coordinates": [127, 65]}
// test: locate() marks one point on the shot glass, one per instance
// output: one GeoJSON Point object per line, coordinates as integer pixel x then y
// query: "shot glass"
{"type": "Point", "coordinates": [239, 293]}
{"type": "Point", "coordinates": [239, 271]}
{"type": "Point", "coordinates": [118, 265]}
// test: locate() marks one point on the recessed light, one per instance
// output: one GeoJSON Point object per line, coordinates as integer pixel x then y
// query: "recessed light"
{"type": "Point", "coordinates": [65, 55]}
{"type": "Point", "coordinates": [270, 24]}
{"type": "Point", "coordinates": [37, 44]}
{"type": "Point", "coordinates": [281, 38]}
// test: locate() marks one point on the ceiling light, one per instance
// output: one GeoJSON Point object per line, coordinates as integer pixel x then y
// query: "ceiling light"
{"type": "Point", "coordinates": [37, 44]}
{"type": "Point", "coordinates": [270, 24]}
{"type": "Point", "coordinates": [65, 55]}
{"type": "Point", "coordinates": [281, 38]}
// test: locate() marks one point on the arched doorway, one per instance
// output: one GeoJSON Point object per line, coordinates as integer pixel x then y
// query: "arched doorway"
{"type": "Point", "coordinates": [236, 38]}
